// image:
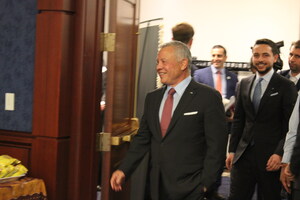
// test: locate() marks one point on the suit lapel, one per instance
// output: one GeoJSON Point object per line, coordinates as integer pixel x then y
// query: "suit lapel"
{"type": "Point", "coordinates": [210, 78]}
{"type": "Point", "coordinates": [228, 79]}
{"type": "Point", "coordinates": [271, 88]}
{"type": "Point", "coordinates": [298, 85]}
{"type": "Point", "coordinates": [187, 96]}
{"type": "Point", "coordinates": [248, 87]}
{"type": "Point", "coordinates": [156, 104]}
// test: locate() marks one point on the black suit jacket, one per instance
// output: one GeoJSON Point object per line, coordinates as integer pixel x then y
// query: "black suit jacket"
{"type": "Point", "coordinates": [286, 73]}
{"type": "Point", "coordinates": [267, 128]}
{"type": "Point", "coordinates": [193, 149]}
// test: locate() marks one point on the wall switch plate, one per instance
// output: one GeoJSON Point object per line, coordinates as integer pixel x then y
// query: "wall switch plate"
{"type": "Point", "coordinates": [10, 101]}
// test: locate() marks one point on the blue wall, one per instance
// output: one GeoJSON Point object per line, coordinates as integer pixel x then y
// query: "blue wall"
{"type": "Point", "coordinates": [17, 44]}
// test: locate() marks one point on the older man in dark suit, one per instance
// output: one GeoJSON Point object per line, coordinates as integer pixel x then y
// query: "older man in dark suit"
{"type": "Point", "coordinates": [187, 153]}
{"type": "Point", "coordinates": [264, 104]}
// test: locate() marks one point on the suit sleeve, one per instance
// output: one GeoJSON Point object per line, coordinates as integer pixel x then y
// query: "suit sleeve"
{"type": "Point", "coordinates": [139, 146]}
{"type": "Point", "coordinates": [238, 121]}
{"type": "Point", "coordinates": [216, 139]}
{"type": "Point", "coordinates": [289, 100]}
{"type": "Point", "coordinates": [295, 159]}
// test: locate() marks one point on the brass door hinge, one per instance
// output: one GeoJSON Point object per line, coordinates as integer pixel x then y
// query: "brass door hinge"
{"type": "Point", "coordinates": [107, 42]}
{"type": "Point", "coordinates": [103, 141]}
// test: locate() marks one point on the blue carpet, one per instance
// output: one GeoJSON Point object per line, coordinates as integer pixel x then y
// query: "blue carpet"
{"type": "Point", "coordinates": [225, 187]}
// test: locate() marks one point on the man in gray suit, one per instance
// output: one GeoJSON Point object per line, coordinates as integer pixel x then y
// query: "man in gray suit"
{"type": "Point", "coordinates": [294, 63]}
{"type": "Point", "coordinates": [185, 159]}
{"type": "Point", "coordinates": [293, 74]}
{"type": "Point", "coordinates": [265, 102]}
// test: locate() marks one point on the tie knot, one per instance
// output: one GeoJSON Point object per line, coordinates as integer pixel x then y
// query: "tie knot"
{"type": "Point", "coordinates": [171, 91]}
{"type": "Point", "coordinates": [260, 80]}
{"type": "Point", "coordinates": [219, 72]}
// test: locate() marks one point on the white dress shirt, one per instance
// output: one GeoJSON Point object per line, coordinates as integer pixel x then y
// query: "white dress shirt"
{"type": "Point", "coordinates": [294, 78]}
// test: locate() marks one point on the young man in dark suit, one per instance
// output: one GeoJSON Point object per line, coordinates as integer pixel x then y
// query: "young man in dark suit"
{"type": "Point", "coordinates": [186, 154]}
{"type": "Point", "coordinates": [264, 104]}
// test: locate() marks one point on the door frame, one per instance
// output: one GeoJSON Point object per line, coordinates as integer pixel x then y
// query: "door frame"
{"type": "Point", "coordinates": [89, 23]}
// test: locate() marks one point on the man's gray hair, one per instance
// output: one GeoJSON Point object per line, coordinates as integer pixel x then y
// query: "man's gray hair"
{"type": "Point", "coordinates": [182, 51]}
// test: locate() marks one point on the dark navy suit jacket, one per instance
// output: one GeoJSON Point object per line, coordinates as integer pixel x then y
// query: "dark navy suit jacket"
{"type": "Point", "coordinates": [205, 76]}
{"type": "Point", "coordinates": [286, 73]}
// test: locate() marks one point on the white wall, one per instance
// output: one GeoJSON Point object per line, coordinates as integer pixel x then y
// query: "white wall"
{"type": "Point", "coordinates": [235, 24]}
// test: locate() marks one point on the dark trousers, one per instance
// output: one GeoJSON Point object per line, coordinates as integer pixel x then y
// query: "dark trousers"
{"type": "Point", "coordinates": [216, 185]}
{"type": "Point", "coordinates": [194, 195]}
{"type": "Point", "coordinates": [245, 174]}
{"type": "Point", "coordinates": [295, 194]}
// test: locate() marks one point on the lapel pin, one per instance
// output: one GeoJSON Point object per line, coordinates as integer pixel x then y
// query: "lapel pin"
{"type": "Point", "coordinates": [228, 77]}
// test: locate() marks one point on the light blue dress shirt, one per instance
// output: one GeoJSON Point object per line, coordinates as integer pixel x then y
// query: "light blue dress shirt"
{"type": "Point", "coordinates": [290, 138]}
{"type": "Point", "coordinates": [264, 83]}
{"type": "Point", "coordinates": [180, 88]}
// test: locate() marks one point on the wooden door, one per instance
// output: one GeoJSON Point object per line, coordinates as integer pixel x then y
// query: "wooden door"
{"type": "Point", "coordinates": [120, 90]}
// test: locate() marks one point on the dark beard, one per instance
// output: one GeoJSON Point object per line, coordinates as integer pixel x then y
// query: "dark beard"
{"type": "Point", "coordinates": [263, 72]}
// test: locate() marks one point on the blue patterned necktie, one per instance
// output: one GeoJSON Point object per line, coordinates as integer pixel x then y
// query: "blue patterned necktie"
{"type": "Point", "coordinates": [257, 95]}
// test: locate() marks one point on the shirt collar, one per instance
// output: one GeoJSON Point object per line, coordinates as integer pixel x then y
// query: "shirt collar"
{"type": "Point", "coordinates": [267, 77]}
{"type": "Point", "coordinates": [214, 69]}
{"type": "Point", "coordinates": [180, 87]}
{"type": "Point", "coordinates": [297, 77]}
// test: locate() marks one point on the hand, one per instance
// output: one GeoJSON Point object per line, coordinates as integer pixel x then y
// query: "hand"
{"type": "Point", "coordinates": [203, 194]}
{"type": "Point", "coordinates": [116, 180]}
{"type": "Point", "coordinates": [284, 178]}
{"type": "Point", "coordinates": [288, 173]}
{"type": "Point", "coordinates": [231, 116]}
{"type": "Point", "coordinates": [274, 163]}
{"type": "Point", "coordinates": [229, 160]}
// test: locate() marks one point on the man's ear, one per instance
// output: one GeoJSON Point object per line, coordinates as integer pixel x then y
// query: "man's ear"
{"type": "Point", "coordinates": [184, 64]}
{"type": "Point", "coordinates": [276, 56]}
{"type": "Point", "coordinates": [190, 43]}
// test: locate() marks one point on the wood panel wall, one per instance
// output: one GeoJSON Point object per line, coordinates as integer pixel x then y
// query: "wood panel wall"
{"type": "Point", "coordinates": [52, 95]}
{"type": "Point", "coordinates": [61, 147]}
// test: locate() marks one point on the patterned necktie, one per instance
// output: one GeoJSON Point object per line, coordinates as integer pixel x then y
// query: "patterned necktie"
{"type": "Point", "coordinates": [167, 112]}
{"type": "Point", "coordinates": [219, 81]}
{"type": "Point", "coordinates": [257, 95]}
